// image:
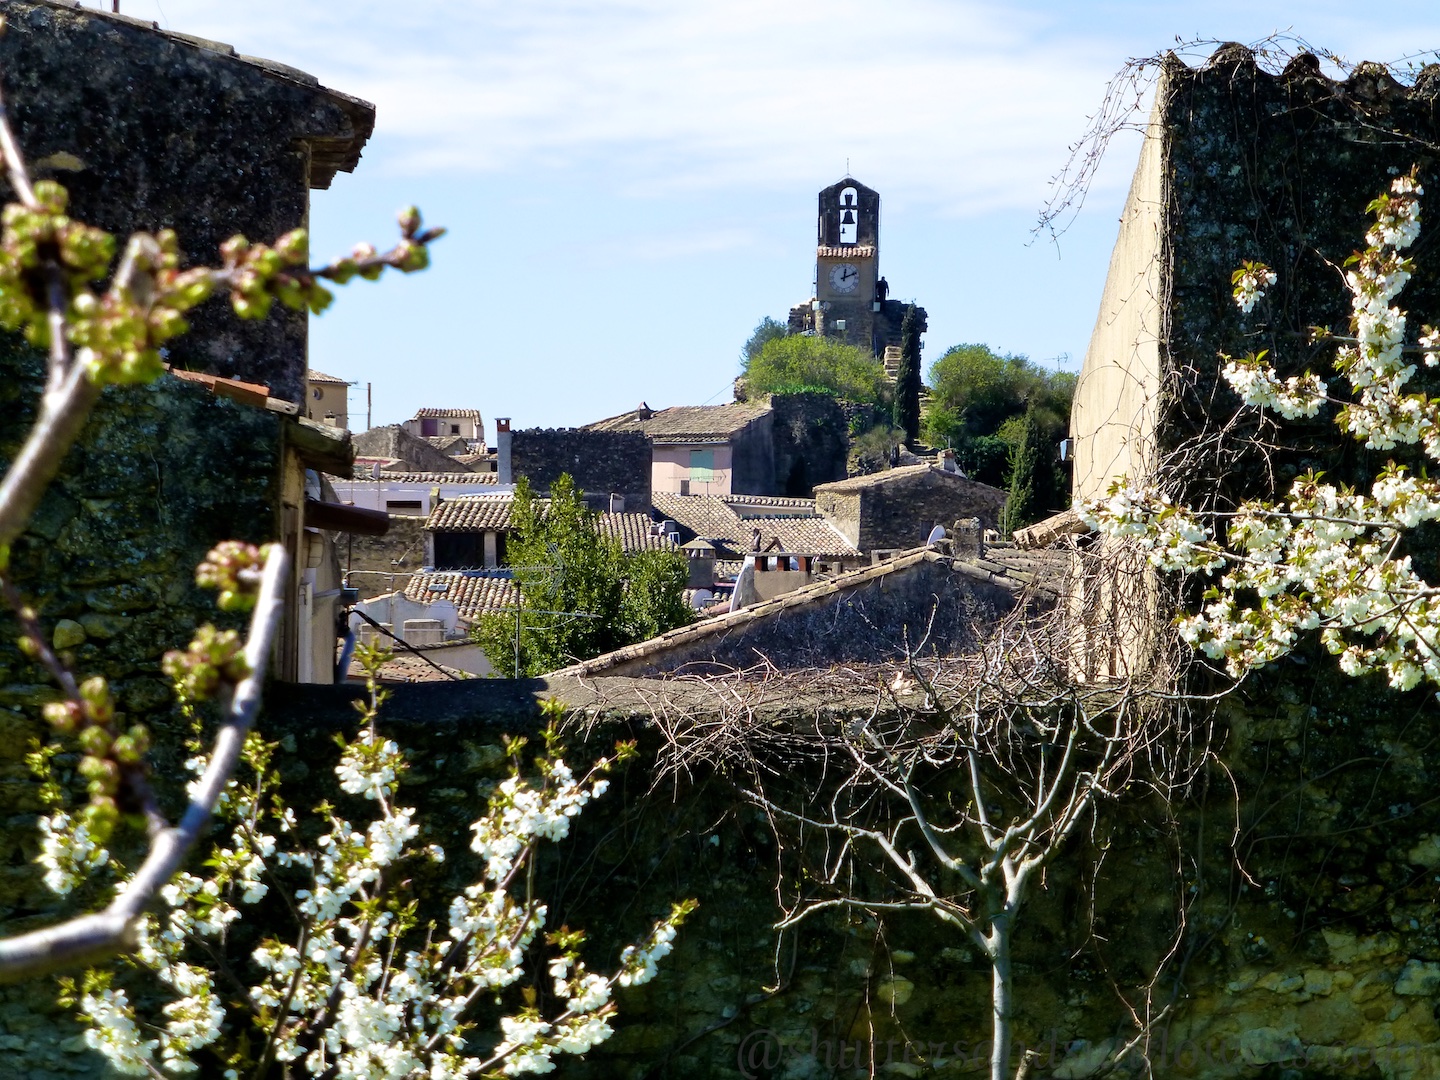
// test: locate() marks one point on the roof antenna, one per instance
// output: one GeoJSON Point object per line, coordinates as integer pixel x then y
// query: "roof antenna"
{"type": "Point", "coordinates": [847, 160]}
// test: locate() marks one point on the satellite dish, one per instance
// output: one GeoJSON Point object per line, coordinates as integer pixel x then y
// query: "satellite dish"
{"type": "Point", "coordinates": [936, 535]}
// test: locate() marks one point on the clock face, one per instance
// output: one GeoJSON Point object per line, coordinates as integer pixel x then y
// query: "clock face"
{"type": "Point", "coordinates": [844, 278]}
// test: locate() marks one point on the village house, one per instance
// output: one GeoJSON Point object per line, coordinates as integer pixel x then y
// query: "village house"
{"type": "Point", "coordinates": [896, 509]}
{"type": "Point", "coordinates": [327, 399]}
{"type": "Point", "coordinates": [442, 423]}
{"type": "Point", "coordinates": [781, 444]}
{"type": "Point", "coordinates": [469, 532]}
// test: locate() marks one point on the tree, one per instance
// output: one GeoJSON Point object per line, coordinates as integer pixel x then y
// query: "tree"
{"type": "Point", "coordinates": [978, 400]}
{"type": "Point", "coordinates": [360, 985]}
{"type": "Point", "coordinates": [1021, 504]}
{"type": "Point", "coordinates": [766, 330]}
{"type": "Point", "coordinates": [346, 996]}
{"type": "Point", "coordinates": [52, 272]}
{"type": "Point", "coordinates": [907, 381]}
{"type": "Point", "coordinates": [803, 362]}
{"type": "Point", "coordinates": [949, 791]}
{"type": "Point", "coordinates": [580, 594]}
{"type": "Point", "coordinates": [1329, 557]}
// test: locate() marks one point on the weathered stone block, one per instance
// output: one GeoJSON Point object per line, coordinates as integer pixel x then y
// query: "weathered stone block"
{"type": "Point", "coordinates": [68, 634]}
{"type": "Point", "coordinates": [1419, 977]}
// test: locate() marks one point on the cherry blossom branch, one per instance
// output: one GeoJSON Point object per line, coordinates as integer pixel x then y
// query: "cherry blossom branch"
{"type": "Point", "coordinates": [90, 938]}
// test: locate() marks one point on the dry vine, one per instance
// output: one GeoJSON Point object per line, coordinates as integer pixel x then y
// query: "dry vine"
{"type": "Point", "coordinates": [946, 785]}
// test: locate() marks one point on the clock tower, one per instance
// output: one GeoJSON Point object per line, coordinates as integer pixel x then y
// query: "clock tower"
{"type": "Point", "coordinates": [849, 301]}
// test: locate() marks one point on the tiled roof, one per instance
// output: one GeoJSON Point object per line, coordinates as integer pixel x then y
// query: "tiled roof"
{"type": "Point", "coordinates": [469, 479]}
{"type": "Point", "coordinates": [437, 414]}
{"type": "Point", "coordinates": [688, 423]}
{"type": "Point", "coordinates": [804, 536]}
{"type": "Point", "coordinates": [715, 518]}
{"type": "Point", "coordinates": [320, 377]}
{"type": "Point", "coordinates": [887, 476]}
{"type": "Point", "coordinates": [473, 593]}
{"type": "Point", "coordinates": [635, 532]}
{"type": "Point", "coordinates": [814, 594]}
{"type": "Point", "coordinates": [406, 667]}
{"type": "Point", "coordinates": [1048, 568]}
{"type": "Point", "coordinates": [471, 513]}
{"type": "Point", "coordinates": [491, 513]}
{"type": "Point", "coordinates": [857, 251]}
{"type": "Point", "coordinates": [742, 504]}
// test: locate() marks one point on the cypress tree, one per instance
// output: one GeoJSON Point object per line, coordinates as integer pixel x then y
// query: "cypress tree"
{"type": "Point", "coordinates": [907, 380]}
{"type": "Point", "coordinates": [1022, 505]}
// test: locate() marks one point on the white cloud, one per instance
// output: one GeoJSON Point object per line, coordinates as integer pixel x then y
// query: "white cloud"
{"type": "Point", "coordinates": [963, 105]}
{"type": "Point", "coordinates": [947, 101]}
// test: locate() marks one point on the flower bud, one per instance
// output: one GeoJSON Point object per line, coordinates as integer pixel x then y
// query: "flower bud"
{"type": "Point", "coordinates": [64, 716]}
{"type": "Point", "coordinates": [409, 220]}
{"type": "Point", "coordinates": [96, 741]}
{"type": "Point", "coordinates": [100, 817]}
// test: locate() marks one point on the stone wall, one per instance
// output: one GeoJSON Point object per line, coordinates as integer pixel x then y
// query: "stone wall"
{"type": "Point", "coordinates": [383, 563]}
{"type": "Point", "coordinates": [811, 436]}
{"type": "Point", "coordinates": [160, 474]}
{"type": "Point", "coordinates": [147, 131]}
{"type": "Point", "coordinates": [887, 512]}
{"type": "Point", "coordinates": [752, 457]}
{"type": "Point", "coordinates": [393, 441]}
{"type": "Point", "coordinates": [600, 462]}
{"type": "Point", "coordinates": [1309, 906]}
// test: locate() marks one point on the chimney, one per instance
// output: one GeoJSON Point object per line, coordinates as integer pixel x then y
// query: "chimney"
{"type": "Point", "coordinates": [502, 450]}
{"type": "Point", "coordinates": [617, 503]}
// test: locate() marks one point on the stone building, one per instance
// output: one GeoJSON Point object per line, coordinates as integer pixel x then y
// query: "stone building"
{"type": "Point", "coordinates": [850, 300]}
{"type": "Point", "coordinates": [466, 424]}
{"type": "Point", "coordinates": [150, 128]}
{"type": "Point", "coordinates": [611, 468]}
{"type": "Point", "coordinates": [780, 444]}
{"type": "Point", "coordinates": [896, 509]}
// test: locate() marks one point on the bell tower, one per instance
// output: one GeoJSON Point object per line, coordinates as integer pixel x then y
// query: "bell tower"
{"type": "Point", "coordinates": [847, 257]}
{"type": "Point", "coordinates": [850, 301]}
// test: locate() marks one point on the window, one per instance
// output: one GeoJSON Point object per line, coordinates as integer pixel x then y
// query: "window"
{"type": "Point", "coordinates": [839, 324]}
{"type": "Point", "coordinates": [429, 427]}
{"type": "Point", "coordinates": [454, 429]}
{"type": "Point", "coordinates": [702, 466]}
{"type": "Point", "coordinates": [403, 506]}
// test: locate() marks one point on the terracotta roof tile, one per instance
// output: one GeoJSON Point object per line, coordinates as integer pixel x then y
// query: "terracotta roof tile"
{"type": "Point", "coordinates": [320, 377]}
{"type": "Point", "coordinates": [471, 513]}
{"type": "Point", "coordinates": [491, 513]}
{"type": "Point", "coordinates": [435, 414]}
{"type": "Point", "coordinates": [635, 532]}
{"type": "Point", "coordinates": [473, 593]}
{"type": "Point", "coordinates": [469, 479]}
{"type": "Point", "coordinates": [715, 518]}
{"type": "Point", "coordinates": [688, 423]}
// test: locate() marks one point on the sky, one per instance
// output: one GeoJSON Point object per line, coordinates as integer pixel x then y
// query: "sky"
{"type": "Point", "coordinates": [630, 185]}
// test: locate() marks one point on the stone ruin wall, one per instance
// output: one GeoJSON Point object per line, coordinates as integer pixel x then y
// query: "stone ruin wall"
{"type": "Point", "coordinates": [600, 463]}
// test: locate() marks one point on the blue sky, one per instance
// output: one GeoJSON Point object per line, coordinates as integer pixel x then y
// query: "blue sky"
{"type": "Point", "coordinates": [630, 184]}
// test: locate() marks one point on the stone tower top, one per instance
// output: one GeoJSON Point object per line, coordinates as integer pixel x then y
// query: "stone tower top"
{"type": "Point", "coordinates": [849, 214]}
